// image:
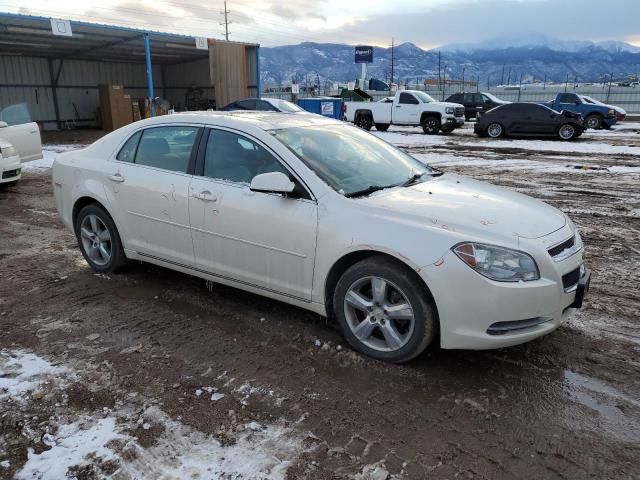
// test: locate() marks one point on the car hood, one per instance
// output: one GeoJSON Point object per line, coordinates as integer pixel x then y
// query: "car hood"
{"type": "Point", "coordinates": [461, 204]}
{"type": "Point", "coordinates": [450, 104]}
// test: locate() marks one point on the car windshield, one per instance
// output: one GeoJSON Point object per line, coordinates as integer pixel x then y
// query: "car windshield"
{"type": "Point", "coordinates": [492, 97]}
{"type": "Point", "coordinates": [424, 98]}
{"type": "Point", "coordinates": [350, 160]}
{"type": "Point", "coordinates": [289, 107]}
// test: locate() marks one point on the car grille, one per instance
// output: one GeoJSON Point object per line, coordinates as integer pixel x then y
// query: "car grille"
{"type": "Point", "coordinates": [10, 173]}
{"type": "Point", "coordinates": [566, 245]}
{"type": "Point", "coordinates": [459, 112]}
{"type": "Point", "coordinates": [571, 279]}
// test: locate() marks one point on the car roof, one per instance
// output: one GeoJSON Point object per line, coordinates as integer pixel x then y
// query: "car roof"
{"type": "Point", "coordinates": [259, 119]}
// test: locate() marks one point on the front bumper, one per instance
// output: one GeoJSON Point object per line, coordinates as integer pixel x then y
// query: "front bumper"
{"type": "Point", "coordinates": [609, 122]}
{"type": "Point", "coordinates": [10, 169]}
{"type": "Point", "coordinates": [477, 313]}
{"type": "Point", "coordinates": [451, 121]}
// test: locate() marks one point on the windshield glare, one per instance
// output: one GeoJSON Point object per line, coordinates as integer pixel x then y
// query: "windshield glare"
{"type": "Point", "coordinates": [348, 159]}
{"type": "Point", "coordinates": [289, 107]}
{"type": "Point", "coordinates": [424, 98]}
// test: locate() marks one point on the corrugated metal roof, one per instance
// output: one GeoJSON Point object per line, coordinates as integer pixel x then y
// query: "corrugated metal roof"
{"type": "Point", "coordinates": [25, 35]}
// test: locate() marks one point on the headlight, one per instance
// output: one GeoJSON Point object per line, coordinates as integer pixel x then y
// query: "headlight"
{"type": "Point", "coordinates": [8, 151]}
{"type": "Point", "coordinates": [498, 263]}
{"type": "Point", "coordinates": [612, 111]}
{"type": "Point", "coordinates": [449, 110]}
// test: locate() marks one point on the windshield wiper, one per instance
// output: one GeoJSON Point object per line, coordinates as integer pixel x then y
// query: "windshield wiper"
{"type": "Point", "coordinates": [368, 190]}
{"type": "Point", "coordinates": [414, 178]}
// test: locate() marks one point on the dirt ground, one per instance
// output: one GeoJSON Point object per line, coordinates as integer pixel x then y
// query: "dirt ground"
{"type": "Point", "coordinates": [566, 406]}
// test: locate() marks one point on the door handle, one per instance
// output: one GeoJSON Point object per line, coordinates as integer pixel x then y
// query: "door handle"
{"type": "Point", "coordinates": [398, 106]}
{"type": "Point", "coordinates": [205, 196]}
{"type": "Point", "coordinates": [116, 177]}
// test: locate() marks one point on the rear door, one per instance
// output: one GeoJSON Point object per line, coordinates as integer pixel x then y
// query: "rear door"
{"type": "Point", "coordinates": [148, 187]}
{"type": "Point", "coordinates": [21, 131]}
{"type": "Point", "coordinates": [407, 109]}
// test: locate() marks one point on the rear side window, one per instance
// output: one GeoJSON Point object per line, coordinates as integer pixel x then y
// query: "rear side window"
{"type": "Point", "coordinates": [168, 148]}
{"type": "Point", "coordinates": [128, 151]}
{"type": "Point", "coordinates": [246, 104]}
{"type": "Point", "coordinates": [468, 98]}
{"type": "Point", "coordinates": [407, 98]}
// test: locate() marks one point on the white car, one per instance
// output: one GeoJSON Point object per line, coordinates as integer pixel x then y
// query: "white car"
{"type": "Point", "coordinates": [322, 215]}
{"type": "Point", "coordinates": [19, 140]}
{"type": "Point", "coordinates": [10, 167]}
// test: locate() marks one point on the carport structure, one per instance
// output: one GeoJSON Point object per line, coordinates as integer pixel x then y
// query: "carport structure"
{"type": "Point", "coordinates": [58, 75]}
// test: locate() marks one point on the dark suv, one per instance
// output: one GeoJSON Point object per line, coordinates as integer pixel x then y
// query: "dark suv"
{"type": "Point", "coordinates": [476, 102]}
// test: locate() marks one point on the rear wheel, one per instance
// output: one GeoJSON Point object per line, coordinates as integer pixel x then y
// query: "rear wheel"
{"type": "Point", "coordinates": [594, 121]}
{"type": "Point", "coordinates": [495, 130]}
{"type": "Point", "coordinates": [364, 121]}
{"type": "Point", "coordinates": [431, 125]}
{"type": "Point", "coordinates": [384, 311]}
{"type": "Point", "coordinates": [567, 132]}
{"type": "Point", "coordinates": [382, 127]}
{"type": "Point", "coordinates": [99, 240]}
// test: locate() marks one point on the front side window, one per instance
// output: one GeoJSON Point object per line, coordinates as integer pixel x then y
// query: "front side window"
{"type": "Point", "coordinates": [408, 99]}
{"type": "Point", "coordinates": [168, 148]}
{"type": "Point", "coordinates": [348, 159]}
{"type": "Point", "coordinates": [235, 158]}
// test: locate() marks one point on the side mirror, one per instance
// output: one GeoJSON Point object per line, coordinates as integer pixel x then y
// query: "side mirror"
{"type": "Point", "coordinates": [272, 182]}
{"type": "Point", "coordinates": [3, 124]}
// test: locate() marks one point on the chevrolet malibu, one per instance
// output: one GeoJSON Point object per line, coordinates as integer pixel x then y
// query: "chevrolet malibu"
{"type": "Point", "coordinates": [322, 215]}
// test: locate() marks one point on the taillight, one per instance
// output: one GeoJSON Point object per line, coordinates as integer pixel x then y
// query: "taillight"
{"type": "Point", "coordinates": [344, 108]}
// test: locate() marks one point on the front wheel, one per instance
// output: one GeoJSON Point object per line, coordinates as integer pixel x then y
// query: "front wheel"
{"type": "Point", "coordinates": [567, 132]}
{"type": "Point", "coordinates": [594, 121]}
{"type": "Point", "coordinates": [99, 240]}
{"type": "Point", "coordinates": [384, 311]}
{"type": "Point", "coordinates": [495, 130]}
{"type": "Point", "coordinates": [431, 125]}
{"type": "Point", "coordinates": [382, 127]}
{"type": "Point", "coordinates": [364, 122]}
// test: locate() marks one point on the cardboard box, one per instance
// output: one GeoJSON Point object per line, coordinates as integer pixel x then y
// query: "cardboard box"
{"type": "Point", "coordinates": [115, 105]}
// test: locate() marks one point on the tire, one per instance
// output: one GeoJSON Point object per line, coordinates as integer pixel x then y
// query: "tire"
{"type": "Point", "coordinates": [430, 125]}
{"type": "Point", "coordinates": [593, 121]}
{"type": "Point", "coordinates": [382, 127]}
{"type": "Point", "coordinates": [368, 326]}
{"type": "Point", "coordinates": [447, 131]}
{"type": "Point", "coordinates": [495, 130]}
{"type": "Point", "coordinates": [567, 132]}
{"type": "Point", "coordinates": [99, 240]}
{"type": "Point", "coordinates": [364, 121]}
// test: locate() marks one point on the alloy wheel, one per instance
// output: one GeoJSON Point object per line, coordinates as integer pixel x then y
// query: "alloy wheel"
{"type": "Point", "coordinates": [567, 132]}
{"type": "Point", "coordinates": [96, 240]}
{"type": "Point", "coordinates": [379, 314]}
{"type": "Point", "coordinates": [494, 130]}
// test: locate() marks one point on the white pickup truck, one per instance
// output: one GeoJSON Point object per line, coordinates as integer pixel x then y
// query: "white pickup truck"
{"type": "Point", "coordinates": [409, 107]}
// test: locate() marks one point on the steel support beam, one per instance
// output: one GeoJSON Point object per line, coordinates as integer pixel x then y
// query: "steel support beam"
{"type": "Point", "coordinates": [258, 71]}
{"type": "Point", "coordinates": [147, 53]}
{"type": "Point", "coordinates": [54, 90]}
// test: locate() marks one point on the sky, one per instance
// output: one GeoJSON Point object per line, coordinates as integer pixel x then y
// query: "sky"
{"type": "Point", "coordinates": [427, 23]}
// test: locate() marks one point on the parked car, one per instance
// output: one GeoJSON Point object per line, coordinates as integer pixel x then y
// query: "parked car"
{"type": "Point", "coordinates": [319, 214]}
{"type": "Point", "coordinates": [409, 107]}
{"type": "Point", "coordinates": [595, 116]}
{"type": "Point", "coordinates": [476, 102]}
{"type": "Point", "coordinates": [10, 167]}
{"type": "Point", "coordinates": [263, 104]}
{"type": "Point", "coordinates": [529, 119]}
{"type": "Point", "coordinates": [621, 113]}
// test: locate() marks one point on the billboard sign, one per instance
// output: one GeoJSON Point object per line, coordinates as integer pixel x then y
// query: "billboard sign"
{"type": "Point", "coordinates": [364, 54]}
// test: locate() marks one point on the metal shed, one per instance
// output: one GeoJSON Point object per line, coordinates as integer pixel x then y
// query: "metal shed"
{"type": "Point", "coordinates": [58, 75]}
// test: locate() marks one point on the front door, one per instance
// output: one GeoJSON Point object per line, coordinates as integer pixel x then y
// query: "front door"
{"type": "Point", "coordinates": [148, 185]}
{"type": "Point", "coordinates": [407, 110]}
{"type": "Point", "coordinates": [259, 239]}
{"type": "Point", "coordinates": [21, 132]}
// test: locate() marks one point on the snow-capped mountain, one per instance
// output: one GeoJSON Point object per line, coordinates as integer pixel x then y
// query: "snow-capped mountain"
{"type": "Point", "coordinates": [531, 56]}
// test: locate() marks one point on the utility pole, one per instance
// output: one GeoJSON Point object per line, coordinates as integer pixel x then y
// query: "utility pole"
{"type": "Point", "coordinates": [502, 77]}
{"type": "Point", "coordinates": [392, 60]}
{"type": "Point", "coordinates": [566, 83]}
{"type": "Point", "coordinates": [439, 77]}
{"type": "Point", "coordinates": [463, 68]}
{"type": "Point", "coordinates": [226, 21]}
{"type": "Point", "coordinates": [509, 77]}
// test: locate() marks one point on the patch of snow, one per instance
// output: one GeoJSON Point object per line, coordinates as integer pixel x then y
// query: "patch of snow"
{"type": "Point", "coordinates": [217, 396]}
{"type": "Point", "coordinates": [73, 446]}
{"type": "Point", "coordinates": [5, 464]}
{"type": "Point", "coordinates": [49, 154]}
{"type": "Point", "coordinates": [22, 372]}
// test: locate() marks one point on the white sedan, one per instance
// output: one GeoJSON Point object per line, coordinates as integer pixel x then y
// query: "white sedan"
{"type": "Point", "coordinates": [325, 216]}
